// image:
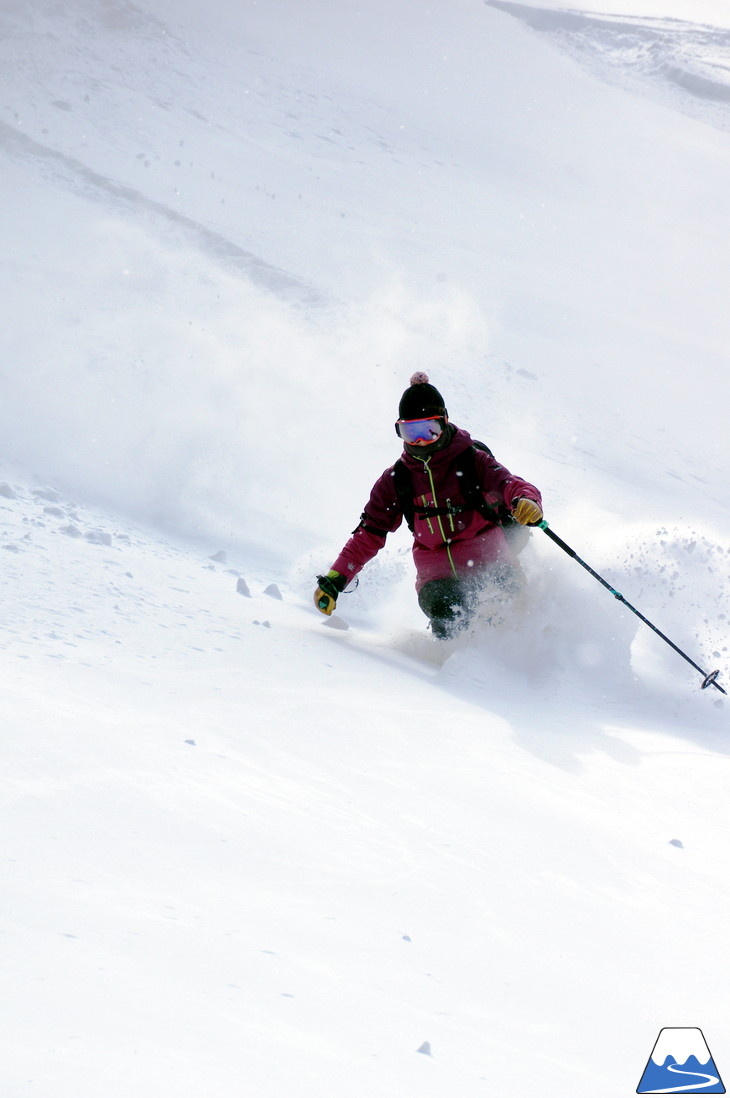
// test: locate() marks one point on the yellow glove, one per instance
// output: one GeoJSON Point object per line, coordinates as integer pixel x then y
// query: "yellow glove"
{"type": "Point", "coordinates": [325, 597]}
{"type": "Point", "coordinates": [526, 512]}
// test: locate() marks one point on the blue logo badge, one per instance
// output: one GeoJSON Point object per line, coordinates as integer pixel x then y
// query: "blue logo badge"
{"type": "Point", "coordinates": [680, 1063]}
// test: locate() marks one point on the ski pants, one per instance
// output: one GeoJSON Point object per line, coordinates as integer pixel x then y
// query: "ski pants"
{"type": "Point", "coordinates": [451, 603]}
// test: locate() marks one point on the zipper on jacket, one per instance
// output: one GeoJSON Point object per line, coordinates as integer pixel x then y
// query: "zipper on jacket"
{"type": "Point", "coordinates": [447, 541]}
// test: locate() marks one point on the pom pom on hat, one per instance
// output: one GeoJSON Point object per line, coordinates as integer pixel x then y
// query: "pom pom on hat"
{"type": "Point", "coordinates": [421, 400]}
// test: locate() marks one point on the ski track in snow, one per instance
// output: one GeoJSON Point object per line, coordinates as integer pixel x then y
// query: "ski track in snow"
{"type": "Point", "coordinates": [179, 229]}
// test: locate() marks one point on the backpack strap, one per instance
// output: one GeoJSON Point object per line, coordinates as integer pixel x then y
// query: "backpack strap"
{"type": "Point", "coordinates": [404, 491]}
{"type": "Point", "coordinates": [496, 513]}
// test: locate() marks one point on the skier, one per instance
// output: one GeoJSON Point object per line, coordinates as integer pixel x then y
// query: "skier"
{"type": "Point", "coordinates": [458, 501]}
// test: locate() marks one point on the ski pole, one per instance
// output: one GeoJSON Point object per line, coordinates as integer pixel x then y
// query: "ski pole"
{"type": "Point", "coordinates": [707, 679]}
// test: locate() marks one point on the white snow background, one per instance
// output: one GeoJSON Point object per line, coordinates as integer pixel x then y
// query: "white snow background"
{"type": "Point", "coordinates": [245, 852]}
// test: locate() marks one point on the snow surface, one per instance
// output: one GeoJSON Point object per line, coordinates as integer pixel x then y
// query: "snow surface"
{"type": "Point", "coordinates": [247, 851]}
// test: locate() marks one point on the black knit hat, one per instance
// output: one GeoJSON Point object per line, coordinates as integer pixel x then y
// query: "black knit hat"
{"type": "Point", "coordinates": [421, 400]}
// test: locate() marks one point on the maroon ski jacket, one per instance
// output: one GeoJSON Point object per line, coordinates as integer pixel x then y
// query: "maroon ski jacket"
{"type": "Point", "coordinates": [455, 544]}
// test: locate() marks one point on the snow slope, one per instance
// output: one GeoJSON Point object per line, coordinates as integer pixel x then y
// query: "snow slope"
{"type": "Point", "coordinates": [247, 851]}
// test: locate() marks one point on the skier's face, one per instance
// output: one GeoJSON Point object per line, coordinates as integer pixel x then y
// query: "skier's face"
{"type": "Point", "coordinates": [421, 432]}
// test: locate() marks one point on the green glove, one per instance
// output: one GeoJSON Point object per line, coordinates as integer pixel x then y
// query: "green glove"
{"type": "Point", "coordinates": [325, 597]}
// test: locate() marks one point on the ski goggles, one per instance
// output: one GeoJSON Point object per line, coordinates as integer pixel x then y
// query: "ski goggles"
{"type": "Point", "coordinates": [420, 430]}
